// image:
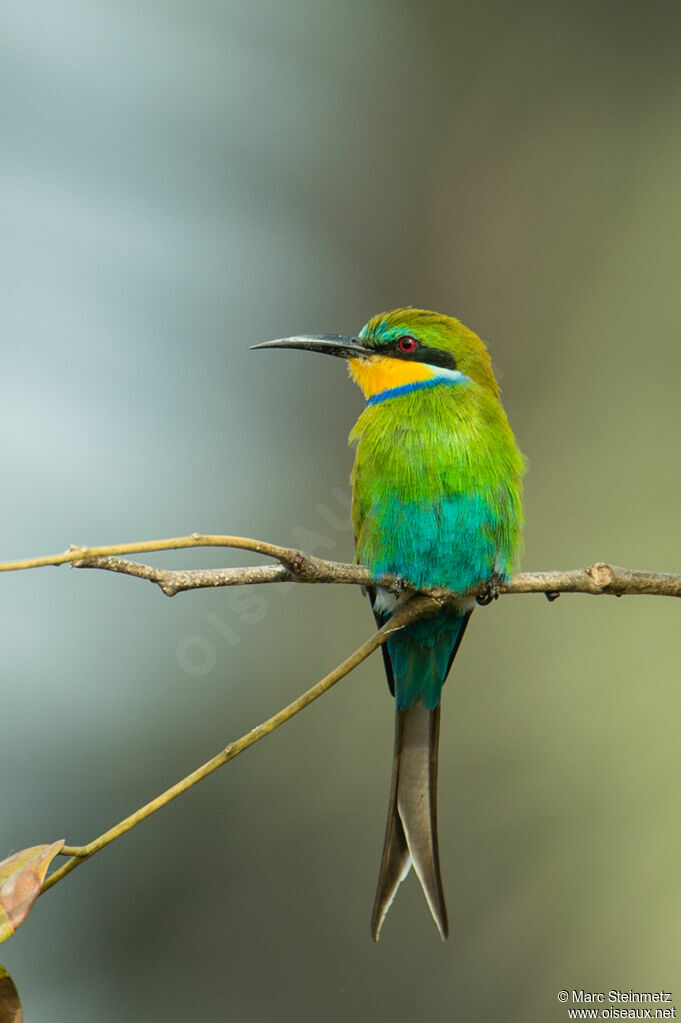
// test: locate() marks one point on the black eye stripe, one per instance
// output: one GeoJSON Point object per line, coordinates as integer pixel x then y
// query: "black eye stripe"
{"type": "Point", "coordinates": [433, 356]}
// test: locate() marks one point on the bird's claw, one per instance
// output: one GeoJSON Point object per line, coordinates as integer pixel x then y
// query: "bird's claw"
{"type": "Point", "coordinates": [398, 585]}
{"type": "Point", "coordinates": [490, 591]}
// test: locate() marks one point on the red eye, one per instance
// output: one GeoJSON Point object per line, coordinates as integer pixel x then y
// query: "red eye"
{"type": "Point", "coordinates": [407, 344]}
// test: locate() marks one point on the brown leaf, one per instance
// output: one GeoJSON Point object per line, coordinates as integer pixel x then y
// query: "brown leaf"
{"type": "Point", "coordinates": [10, 1006]}
{"type": "Point", "coordinates": [21, 876]}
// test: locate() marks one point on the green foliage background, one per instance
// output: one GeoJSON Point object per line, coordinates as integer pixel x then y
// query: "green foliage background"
{"type": "Point", "coordinates": [178, 181]}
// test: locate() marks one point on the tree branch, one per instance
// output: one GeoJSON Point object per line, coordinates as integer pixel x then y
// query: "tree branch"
{"type": "Point", "coordinates": [296, 566]}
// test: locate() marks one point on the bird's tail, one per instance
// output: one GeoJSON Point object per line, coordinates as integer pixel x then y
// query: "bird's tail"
{"type": "Point", "coordinates": [411, 831]}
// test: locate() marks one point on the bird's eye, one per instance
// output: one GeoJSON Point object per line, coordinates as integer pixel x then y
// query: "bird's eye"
{"type": "Point", "coordinates": [407, 344]}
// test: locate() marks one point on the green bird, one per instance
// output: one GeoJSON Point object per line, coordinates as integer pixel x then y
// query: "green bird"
{"type": "Point", "coordinates": [436, 502]}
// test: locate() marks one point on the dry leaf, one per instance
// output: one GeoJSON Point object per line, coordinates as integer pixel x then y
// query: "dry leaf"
{"type": "Point", "coordinates": [21, 876]}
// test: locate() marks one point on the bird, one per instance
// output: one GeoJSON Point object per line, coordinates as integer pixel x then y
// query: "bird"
{"type": "Point", "coordinates": [436, 502]}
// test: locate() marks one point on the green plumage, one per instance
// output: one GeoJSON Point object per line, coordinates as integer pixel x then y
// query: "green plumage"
{"type": "Point", "coordinates": [436, 487]}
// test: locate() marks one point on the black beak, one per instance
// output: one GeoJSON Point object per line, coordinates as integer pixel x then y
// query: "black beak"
{"type": "Point", "coordinates": [329, 344]}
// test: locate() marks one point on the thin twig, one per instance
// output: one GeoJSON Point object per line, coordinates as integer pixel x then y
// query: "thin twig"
{"type": "Point", "coordinates": [174, 543]}
{"type": "Point", "coordinates": [296, 566]}
{"type": "Point", "coordinates": [409, 612]}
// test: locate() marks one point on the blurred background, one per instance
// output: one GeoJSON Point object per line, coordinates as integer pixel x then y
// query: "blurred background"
{"type": "Point", "coordinates": [181, 180]}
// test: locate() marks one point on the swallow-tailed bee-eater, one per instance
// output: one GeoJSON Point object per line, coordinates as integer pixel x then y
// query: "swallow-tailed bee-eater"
{"type": "Point", "coordinates": [436, 502]}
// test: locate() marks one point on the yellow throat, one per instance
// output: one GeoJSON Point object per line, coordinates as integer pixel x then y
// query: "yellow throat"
{"type": "Point", "coordinates": [381, 373]}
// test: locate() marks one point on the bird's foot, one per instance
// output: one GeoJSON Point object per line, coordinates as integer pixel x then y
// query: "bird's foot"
{"type": "Point", "coordinates": [490, 591]}
{"type": "Point", "coordinates": [398, 585]}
